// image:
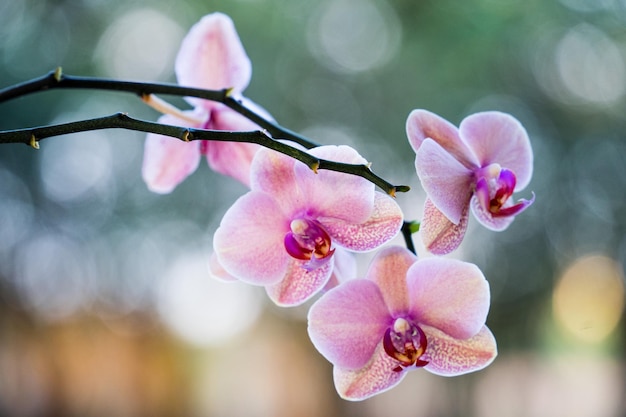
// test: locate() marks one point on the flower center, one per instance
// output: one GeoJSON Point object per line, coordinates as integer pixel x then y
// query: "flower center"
{"type": "Point", "coordinates": [406, 343]}
{"type": "Point", "coordinates": [308, 241]}
{"type": "Point", "coordinates": [494, 187]}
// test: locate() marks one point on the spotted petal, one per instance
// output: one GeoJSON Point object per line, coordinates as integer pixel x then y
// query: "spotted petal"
{"type": "Point", "coordinates": [450, 295]}
{"type": "Point", "coordinates": [375, 377]}
{"type": "Point", "coordinates": [448, 356]}
{"type": "Point", "coordinates": [168, 161]}
{"type": "Point", "coordinates": [383, 224]}
{"type": "Point", "coordinates": [500, 138]}
{"type": "Point", "coordinates": [299, 284]}
{"type": "Point", "coordinates": [439, 234]}
{"type": "Point", "coordinates": [249, 241]}
{"type": "Point", "coordinates": [348, 322]}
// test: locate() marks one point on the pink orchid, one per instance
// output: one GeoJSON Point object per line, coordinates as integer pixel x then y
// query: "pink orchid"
{"type": "Point", "coordinates": [405, 315]}
{"type": "Point", "coordinates": [478, 165]}
{"type": "Point", "coordinates": [284, 232]}
{"type": "Point", "coordinates": [211, 57]}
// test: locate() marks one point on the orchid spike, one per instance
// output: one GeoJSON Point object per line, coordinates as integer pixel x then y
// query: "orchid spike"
{"type": "Point", "coordinates": [478, 165]}
{"type": "Point", "coordinates": [212, 57]}
{"type": "Point", "coordinates": [286, 232]}
{"type": "Point", "coordinates": [405, 315]}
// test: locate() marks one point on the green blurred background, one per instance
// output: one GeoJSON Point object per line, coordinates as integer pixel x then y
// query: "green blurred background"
{"type": "Point", "coordinates": [106, 308]}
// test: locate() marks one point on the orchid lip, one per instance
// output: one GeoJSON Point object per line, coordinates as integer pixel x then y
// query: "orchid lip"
{"type": "Point", "coordinates": [494, 189]}
{"type": "Point", "coordinates": [405, 342]}
{"type": "Point", "coordinates": [308, 241]}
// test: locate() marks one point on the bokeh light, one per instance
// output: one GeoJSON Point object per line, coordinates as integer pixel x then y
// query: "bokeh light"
{"type": "Point", "coordinates": [201, 310]}
{"type": "Point", "coordinates": [354, 35]}
{"type": "Point", "coordinates": [140, 44]}
{"type": "Point", "coordinates": [588, 299]}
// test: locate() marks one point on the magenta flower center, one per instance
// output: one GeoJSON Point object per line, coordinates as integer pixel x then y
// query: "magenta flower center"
{"type": "Point", "coordinates": [494, 188]}
{"type": "Point", "coordinates": [308, 240]}
{"type": "Point", "coordinates": [406, 343]}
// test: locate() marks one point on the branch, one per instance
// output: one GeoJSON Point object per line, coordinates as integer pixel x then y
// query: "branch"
{"type": "Point", "coordinates": [408, 228]}
{"type": "Point", "coordinates": [32, 136]}
{"type": "Point", "coordinates": [56, 79]}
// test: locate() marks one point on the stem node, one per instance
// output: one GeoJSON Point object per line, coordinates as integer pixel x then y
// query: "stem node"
{"type": "Point", "coordinates": [33, 142]}
{"type": "Point", "coordinates": [58, 74]}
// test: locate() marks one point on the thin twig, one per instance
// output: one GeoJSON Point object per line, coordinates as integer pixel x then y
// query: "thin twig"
{"type": "Point", "coordinates": [408, 228]}
{"type": "Point", "coordinates": [56, 79]}
{"type": "Point", "coordinates": [32, 136]}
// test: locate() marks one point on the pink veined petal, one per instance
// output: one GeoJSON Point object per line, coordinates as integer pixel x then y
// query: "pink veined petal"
{"type": "Point", "coordinates": [388, 270]}
{"type": "Point", "coordinates": [448, 356]}
{"type": "Point", "coordinates": [376, 377]}
{"type": "Point", "coordinates": [217, 271]}
{"type": "Point", "coordinates": [273, 173]}
{"type": "Point", "coordinates": [448, 294]}
{"type": "Point", "coordinates": [440, 235]}
{"type": "Point", "coordinates": [422, 124]}
{"type": "Point", "coordinates": [299, 284]}
{"type": "Point", "coordinates": [336, 194]}
{"type": "Point", "coordinates": [500, 138]}
{"type": "Point", "coordinates": [168, 161]}
{"type": "Point", "coordinates": [383, 225]}
{"type": "Point", "coordinates": [249, 242]}
{"type": "Point", "coordinates": [487, 219]}
{"type": "Point", "coordinates": [348, 322]}
{"type": "Point", "coordinates": [447, 182]}
{"type": "Point", "coordinates": [212, 57]}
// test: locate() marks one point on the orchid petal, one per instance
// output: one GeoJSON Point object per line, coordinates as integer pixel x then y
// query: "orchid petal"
{"type": "Point", "coordinates": [168, 161]}
{"type": "Point", "coordinates": [500, 138]}
{"type": "Point", "coordinates": [446, 181]}
{"type": "Point", "coordinates": [375, 377]}
{"type": "Point", "coordinates": [299, 284]}
{"type": "Point", "coordinates": [384, 223]}
{"type": "Point", "coordinates": [440, 235]}
{"type": "Point", "coordinates": [232, 159]}
{"type": "Point", "coordinates": [337, 194]}
{"type": "Point", "coordinates": [517, 208]}
{"type": "Point", "coordinates": [249, 241]}
{"type": "Point", "coordinates": [273, 173]}
{"type": "Point", "coordinates": [388, 270]}
{"type": "Point", "coordinates": [450, 295]}
{"type": "Point", "coordinates": [422, 124]}
{"type": "Point", "coordinates": [448, 356]}
{"type": "Point", "coordinates": [217, 271]}
{"type": "Point", "coordinates": [348, 322]}
{"type": "Point", "coordinates": [212, 57]}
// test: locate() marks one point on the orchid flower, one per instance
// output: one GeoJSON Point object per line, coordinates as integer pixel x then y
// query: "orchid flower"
{"type": "Point", "coordinates": [211, 57]}
{"type": "Point", "coordinates": [479, 165]}
{"type": "Point", "coordinates": [405, 315]}
{"type": "Point", "coordinates": [284, 232]}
